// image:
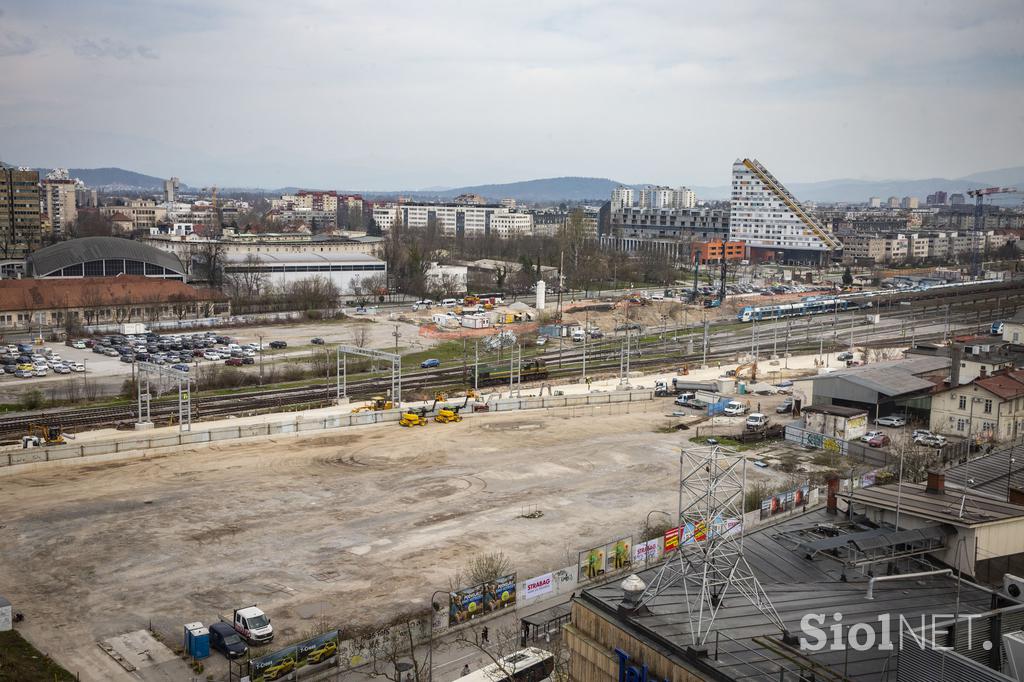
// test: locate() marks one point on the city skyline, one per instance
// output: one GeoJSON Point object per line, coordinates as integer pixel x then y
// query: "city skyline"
{"type": "Point", "coordinates": [405, 96]}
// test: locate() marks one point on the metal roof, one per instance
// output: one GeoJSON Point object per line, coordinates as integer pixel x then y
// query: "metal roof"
{"type": "Point", "coordinates": [944, 507]}
{"type": "Point", "coordinates": [306, 257]}
{"type": "Point", "coordinates": [990, 472]}
{"type": "Point", "coordinates": [835, 410]}
{"type": "Point", "coordinates": [893, 378]}
{"type": "Point", "coordinates": [795, 587]}
{"type": "Point", "coordinates": [84, 249]}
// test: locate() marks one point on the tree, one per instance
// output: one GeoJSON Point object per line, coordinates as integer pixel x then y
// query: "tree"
{"type": "Point", "coordinates": [208, 263]}
{"type": "Point", "coordinates": [92, 223]}
{"type": "Point", "coordinates": [394, 645]}
{"type": "Point", "coordinates": [488, 566]}
{"type": "Point", "coordinates": [847, 277]}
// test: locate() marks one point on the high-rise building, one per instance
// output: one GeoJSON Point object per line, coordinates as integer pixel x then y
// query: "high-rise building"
{"type": "Point", "coordinates": [766, 216]}
{"type": "Point", "coordinates": [59, 201]}
{"type": "Point", "coordinates": [622, 197]}
{"type": "Point", "coordinates": [893, 202]}
{"type": "Point", "coordinates": [875, 202]}
{"type": "Point", "coordinates": [908, 202]}
{"type": "Point", "coordinates": [20, 226]}
{"type": "Point", "coordinates": [957, 199]}
{"type": "Point", "coordinates": [684, 198]}
{"type": "Point", "coordinates": [171, 189]}
{"type": "Point", "coordinates": [937, 199]}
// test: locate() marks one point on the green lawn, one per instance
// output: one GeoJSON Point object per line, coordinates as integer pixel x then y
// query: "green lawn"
{"type": "Point", "coordinates": [22, 662]}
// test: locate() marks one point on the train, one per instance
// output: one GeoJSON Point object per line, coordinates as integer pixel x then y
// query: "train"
{"type": "Point", "coordinates": [532, 370]}
{"type": "Point", "coordinates": [775, 312]}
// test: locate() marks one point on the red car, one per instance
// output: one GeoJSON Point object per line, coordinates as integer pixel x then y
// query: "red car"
{"type": "Point", "coordinates": [234, 362]}
{"type": "Point", "coordinates": [879, 441]}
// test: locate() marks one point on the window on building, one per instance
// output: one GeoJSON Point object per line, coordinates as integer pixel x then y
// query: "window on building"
{"type": "Point", "coordinates": [988, 407]}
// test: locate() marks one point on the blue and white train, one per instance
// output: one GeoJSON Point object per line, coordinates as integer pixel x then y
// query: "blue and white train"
{"type": "Point", "coordinates": [775, 312]}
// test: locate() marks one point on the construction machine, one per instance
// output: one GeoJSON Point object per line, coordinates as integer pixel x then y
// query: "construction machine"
{"type": "Point", "coordinates": [376, 404]}
{"type": "Point", "coordinates": [752, 366]}
{"type": "Point", "coordinates": [448, 414]}
{"type": "Point", "coordinates": [45, 434]}
{"type": "Point", "coordinates": [412, 419]}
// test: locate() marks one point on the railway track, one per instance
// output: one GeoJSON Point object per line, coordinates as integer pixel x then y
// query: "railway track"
{"type": "Point", "coordinates": [603, 357]}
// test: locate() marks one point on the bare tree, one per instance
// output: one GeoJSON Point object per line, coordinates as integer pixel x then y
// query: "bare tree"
{"type": "Point", "coordinates": [394, 645]}
{"type": "Point", "coordinates": [484, 567]}
{"type": "Point", "coordinates": [361, 335]}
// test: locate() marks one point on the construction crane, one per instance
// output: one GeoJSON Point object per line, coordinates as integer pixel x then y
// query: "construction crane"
{"type": "Point", "coordinates": [216, 216]}
{"type": "Point", "coordinates": [979, 220]}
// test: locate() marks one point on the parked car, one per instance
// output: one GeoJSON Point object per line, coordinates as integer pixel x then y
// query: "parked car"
{"type": "Point", "coordinates": [880, 440]}
{"type": "Point", "coordinates": [735, 409]}
{"type": "Point", "coordinates": [430, 362]}
{"type": "Point", "coordinates": [278, 344]}
{"type": "Point", "coordinates": [181, 367]}
{"type": "Point", "coordinates": [128, 357]}
{"type": "Point", "coordinates": [891, 421]}
{"type": "Point", "coordinates": [869, 435]}
{"type": "Point", "coordinates": [845, 355]}
{"type": "Point", "coordinates": [76, 366]}
{"type": "Point", "coordinates": [224, 639]}
{"type": "Point", "coordinates": [757, 420]}
{"type": "Point", "coordinates": [78, 343]}
{"type": "Point", "coordinates": [41, 372]}
{"type": "Point", "coordinates": [24, 373]}
{"type": "Point", "coordinates": [234, 362]}
{"type": "Point", "coordinates": [931, 440]}
{"type": "Point", "coordinates": [248, 360]}
{"type": "Point", "coordinates": [786, 407]}
{"type": "Point", "coordinates": [684, 398]}
{"type": "Point", "coordinates": [316, 340]}
{"type": "Point", "coordinates": [61, 369]}
{"type": "Point", "coordinates": [211, 355]}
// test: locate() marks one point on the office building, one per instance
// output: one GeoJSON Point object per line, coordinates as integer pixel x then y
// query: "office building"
{"type": "Point", "coordinates": [145, 214]}
{"type": "Point", "coordinates": [20, 223]}
{"type": "Point", "coordinates": [771, 221]}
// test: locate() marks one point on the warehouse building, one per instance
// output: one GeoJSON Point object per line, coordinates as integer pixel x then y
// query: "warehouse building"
{"type": "Point", "coordinates": [284, 268]}
{"type": "Point", "coordinates": [103, 257]}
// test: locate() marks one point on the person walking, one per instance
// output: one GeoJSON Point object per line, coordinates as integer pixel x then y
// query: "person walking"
{"type": "Point", "coordinates": [483, 635]}
{"type": "Point", "coordinates": [465, 670]}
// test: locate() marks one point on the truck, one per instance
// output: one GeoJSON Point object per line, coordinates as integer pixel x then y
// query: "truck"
{"type": "Point", "coordinates": [133, 328]}
{"type": "Point", "coordinates": [253, 625]}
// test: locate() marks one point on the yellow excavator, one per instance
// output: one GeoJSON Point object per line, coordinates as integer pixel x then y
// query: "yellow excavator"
{"type": "Point", "coordinates": [743, 368]}
{"type": "Point", "coordinates": [46, 434]}
{"type": "Point", "coordinates": [376, 404]}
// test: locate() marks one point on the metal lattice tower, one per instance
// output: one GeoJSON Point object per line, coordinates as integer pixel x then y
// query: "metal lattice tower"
{"type": "Point", "coordinates": [709, 564]}
{"type": "Point", "coordinates": [341, 377]}
{"type": "Point", "coordinates": [149, 375]}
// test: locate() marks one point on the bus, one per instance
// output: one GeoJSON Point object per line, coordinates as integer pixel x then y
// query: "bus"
{"type": "Point", "coordinates": [526, 665]}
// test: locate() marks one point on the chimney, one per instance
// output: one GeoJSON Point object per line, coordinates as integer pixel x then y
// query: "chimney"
{"type": "Point", "coordinates": [832, 503]}
{"type": "Point", "coordinates": [955, 354]}
{"type": "Point", "coordinates": [632, 589]}
{"type": "Point", "coordinates": [936, 483]}
{"type": "Point", "coordinates": [982, 372]}
{"type": "Point", "coordinates": [1016, 496]}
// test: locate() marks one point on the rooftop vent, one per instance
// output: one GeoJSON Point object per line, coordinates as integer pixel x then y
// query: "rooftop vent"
{"type": "Point", "coordinates": [632, 591]}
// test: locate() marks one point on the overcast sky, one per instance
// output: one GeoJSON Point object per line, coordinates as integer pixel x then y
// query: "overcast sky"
{"type": "Point", "coordinates": [402, 94]}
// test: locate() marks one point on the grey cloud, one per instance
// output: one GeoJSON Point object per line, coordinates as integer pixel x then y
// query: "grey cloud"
{"type": "Point", "coordinates": [105, 47]}
{"type": "Point", "coordinates": [12, 44]}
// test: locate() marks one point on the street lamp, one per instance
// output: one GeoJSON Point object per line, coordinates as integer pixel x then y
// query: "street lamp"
{"type": "Point", "coordinates": [647, 521]}
{"type": "Point", "coordinates": [430, 644]}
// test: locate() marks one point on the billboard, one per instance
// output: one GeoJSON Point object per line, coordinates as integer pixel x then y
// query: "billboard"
{"type": "Point", "coordinates": [785, 501]}
{"type": "Point", "coordinates": [605, 559]}
{"type": "Point", "coordinates": [465, 604]}
{"type": "Point", "coordinates": [694, 533]}
{"type": "Point", "coordinates": [472, 602]}
{"type": "Point", "coordinates": [646, 552]}
{"type": "Point", "coordinates": [307, 654]}
{"type": "Point", "coordinates": [500, 593]}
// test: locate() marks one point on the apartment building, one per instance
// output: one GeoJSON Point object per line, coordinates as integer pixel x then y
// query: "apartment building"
{"type": "Point", "coordinates": [59, 201]}
{"type": "Point", "coordinates": [990, 408]}
{"type": "Point", "coordinates": [771, 221]}
{"type": "Point", "coordinates": [456, 220]}
{"type": "Point", "coordinates": [20, 223]}
{"type": "Point", "coordinates": [145, 214]}
{"type": "Point", "coordinates": [666, 230]}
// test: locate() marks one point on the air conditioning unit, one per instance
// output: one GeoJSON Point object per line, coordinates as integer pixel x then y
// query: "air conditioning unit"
{"type": "Point", "coordinates": [1013, 586]}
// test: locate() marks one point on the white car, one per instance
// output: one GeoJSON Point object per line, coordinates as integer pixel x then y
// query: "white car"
{"type": "Point", "coordinates": [78, 344]}
{"type": "Point", "coordinates": [41, 371]}
{"type": "Point", "coordinates": [211, 355]}
{"type": "Point", "coordinates": [76, 366]}
{"type": "Point", "coordinates": [869, 435]}
{"type": "Point", "coordinates": [891, 421]}
{"type": "Point", "coordinates": [61, 369]}
{"type": "Point", "coordinates": [248, 352]}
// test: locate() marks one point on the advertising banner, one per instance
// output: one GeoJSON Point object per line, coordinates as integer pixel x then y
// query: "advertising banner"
{"type": "Point", "coordinates": [465, 605]}
{"type": "Point", "coordinates": [694, 533]}
{"type": "Point", "coordinates": [785, 501]}
{"type": "Point", "coordinates": [273, 666]}
{"type": "Point", "coordinates": [500, 593]}
{"type": "Point", "coordinates": [542, 584]}
{"type": "Point", "coordinates": [647, 552]}
{"type": "Point", "coordinates": [304, 655]}
{"type": "Point", "coordinates": [604, 559]}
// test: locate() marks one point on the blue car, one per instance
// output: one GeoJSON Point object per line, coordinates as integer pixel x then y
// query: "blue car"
{"type": "Point", "coordinates": [180, 367]}
{"type": "Point", "coordinates": [431, 362]}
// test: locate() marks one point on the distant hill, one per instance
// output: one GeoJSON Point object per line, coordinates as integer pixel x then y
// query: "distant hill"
{"type": "Point", "coordinates": [545, 189]}
{"type": "Point", "coordinates": [113, 178]}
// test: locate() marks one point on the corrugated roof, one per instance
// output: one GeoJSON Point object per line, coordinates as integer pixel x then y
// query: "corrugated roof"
{"type": "Point", "coordinates": [74, 251]}
{"type": "Point", "coordinates": [990, 473]}
{"type": "Point", "coordinates": [897, 377]}
{"type": "Point", "coordinates": [945, 507]}
{"type": "Point", "coordinates": [92, 292]}
{"type": "Point", "coordinates": [306, 257]}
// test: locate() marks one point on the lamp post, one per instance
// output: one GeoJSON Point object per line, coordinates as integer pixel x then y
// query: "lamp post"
{"type": "Point", "coordinates": [430, 644]}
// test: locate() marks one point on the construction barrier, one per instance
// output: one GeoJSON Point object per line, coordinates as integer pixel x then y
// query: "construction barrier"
{"type": "Point", "coordinates": [582, 405]}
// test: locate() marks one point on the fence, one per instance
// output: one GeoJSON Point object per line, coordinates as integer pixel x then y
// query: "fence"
{"type": "Point", "coordinates": [618, 402]}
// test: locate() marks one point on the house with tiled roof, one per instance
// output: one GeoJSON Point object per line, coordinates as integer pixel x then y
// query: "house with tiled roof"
{"type": "Point", "coordinates": [988, 409]}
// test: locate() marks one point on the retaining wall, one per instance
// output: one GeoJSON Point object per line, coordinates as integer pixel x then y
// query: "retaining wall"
{"type": "Point", "coordinates": [134, 442]}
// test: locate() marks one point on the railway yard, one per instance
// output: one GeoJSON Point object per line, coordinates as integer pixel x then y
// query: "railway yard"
{"type": "Point", "coordinates": [371, 519]}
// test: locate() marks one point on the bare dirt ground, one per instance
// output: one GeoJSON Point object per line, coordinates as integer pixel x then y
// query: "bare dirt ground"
{"type": "Point", "coordinates": [352, 525]}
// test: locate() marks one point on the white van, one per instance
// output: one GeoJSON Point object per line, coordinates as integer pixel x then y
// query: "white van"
{"type": "Point", "coordinates": [757, 421]}
{"type": "Point", "coordinates": [578, 334]}
{"type": "Point", "coordinates": [449, 303]}
{"type": "Point", "coordinates": [735, 409]}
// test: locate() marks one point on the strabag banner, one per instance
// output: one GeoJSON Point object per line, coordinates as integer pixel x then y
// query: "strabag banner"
{"type": "Point", "coordinates": [542, 584]}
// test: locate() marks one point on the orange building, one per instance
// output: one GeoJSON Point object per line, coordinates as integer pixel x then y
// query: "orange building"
{"type": "Point", "coordinates": [712, 251]}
